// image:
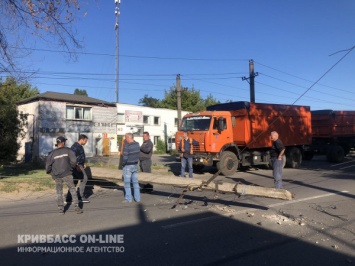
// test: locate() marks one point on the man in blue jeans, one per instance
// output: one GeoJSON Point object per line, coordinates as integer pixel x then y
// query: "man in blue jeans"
{"type": "Point", "coordinates": [276, 153]}
{"type": "Point", "coordinates": [131, 151]}
{"type": "Point", "coordinates": [186, 154]}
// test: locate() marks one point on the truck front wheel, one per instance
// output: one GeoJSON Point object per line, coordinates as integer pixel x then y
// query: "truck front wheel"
{"type": "Point", "coordinates": [228, 163]}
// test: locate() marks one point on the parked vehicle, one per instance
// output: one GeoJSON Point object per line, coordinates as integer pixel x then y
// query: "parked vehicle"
{"type": "Point", "coordinates": [333, 133]}
{"type": "Point", "coordinates": [237, 134]}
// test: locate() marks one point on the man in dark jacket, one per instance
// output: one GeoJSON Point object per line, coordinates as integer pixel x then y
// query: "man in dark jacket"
{"type": "Point", "coordinates": [186, 154]}
{"type": "Point", "coordinates": [146, 154]}
{"type": "Point", "coordinates": [145, 159]}
{"type": "Point", "coordinates": [130, 168]}
{"type": "Point", "coordinates": [79, 172]}
{"type": "Point", "coordinates": [60, 164]}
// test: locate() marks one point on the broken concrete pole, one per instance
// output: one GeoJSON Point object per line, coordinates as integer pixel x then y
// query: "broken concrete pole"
{"type": "Point", "coordinates": [193, 184]}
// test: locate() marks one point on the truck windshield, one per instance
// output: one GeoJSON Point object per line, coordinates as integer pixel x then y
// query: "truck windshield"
{"type": "Point", "coordinates": [195, 123]}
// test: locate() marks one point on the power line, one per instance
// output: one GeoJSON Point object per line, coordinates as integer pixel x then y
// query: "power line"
{"type": "Point", "coordinates": [308, 97]}
{"type": "Point", "coordinates": [310, 81]}
{"type": "Point", "coordinates": [350, 50]}
{"type": "Point", "coordinates": [304, 86]}
{"type": "Point", "coordinates": [130, 74]}
{"type": "Point", "coordinates": [131, 56]}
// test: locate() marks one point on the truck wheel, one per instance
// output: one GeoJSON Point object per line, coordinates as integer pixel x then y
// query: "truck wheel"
{"type": "Point", "coordinates": [228, 163]}
{"type": "Point", "coordinates": [198, 167]}
{"type": "Point", "coordinates": [308, 155]}
{"type": "Point", "coordinates": [293, 157]}
{"type": "Point", "coordinates": [335, 154]}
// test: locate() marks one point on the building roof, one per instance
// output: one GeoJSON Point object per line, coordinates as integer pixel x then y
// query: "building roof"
{"type": "Point", "coordinates": [66, 97]}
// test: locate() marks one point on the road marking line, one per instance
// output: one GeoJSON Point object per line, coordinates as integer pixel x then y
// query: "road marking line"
{"type": "Point", "coordinates": [305, 199]}
{"type": "Point", "coordinates": [351, 161]}
{"type": "Point", "coordinates": [250, 209]}
{"type": "Point", "coordinates": [346, 167]}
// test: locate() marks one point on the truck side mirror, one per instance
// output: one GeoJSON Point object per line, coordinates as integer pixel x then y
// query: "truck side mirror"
{"type": "Point", "coordinates": [221, 124]}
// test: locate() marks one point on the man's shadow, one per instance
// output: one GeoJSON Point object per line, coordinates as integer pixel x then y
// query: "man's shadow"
{"type": "Point", "coordinates": [89, 187]}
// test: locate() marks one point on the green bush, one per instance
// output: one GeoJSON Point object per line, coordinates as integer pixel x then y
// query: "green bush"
{"type": "Point", "coordinates": [160, 147]}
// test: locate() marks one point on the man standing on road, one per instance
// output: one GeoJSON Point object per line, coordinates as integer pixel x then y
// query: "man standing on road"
{"type": "Point", "coordinates": [79, 171]}
{"type": "Point", "coordinates": [130, 161]}
{"type": "Point", "coordinates": [186, 154]}
{"type": "Point", "coordinates": [60, 164]}
{"type": "Point", "coordinates": [146, 154]}
{"type": "Point", "coordinates": [145, 159]}
{"type": "Point", "coordinates": [276, 153]}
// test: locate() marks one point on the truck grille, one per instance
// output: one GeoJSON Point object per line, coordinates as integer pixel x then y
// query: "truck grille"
{"type": "Point", "coordinates": [197, 148]}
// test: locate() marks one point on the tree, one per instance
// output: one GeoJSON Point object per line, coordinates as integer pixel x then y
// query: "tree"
{"type": "Point", "coordinates": [14, 92]}
{"type": "Point", "coordinates": [149, 101]}
{"type": "Point", "coordinates": [11, 123]}
{"type": "Point", "coordinates": [48, 20]}
{"type": "Point", "coordinates": [190, 100]}
{"type": "Point", "coordinates": [80, 92]}
{"type": "Point", "coordinates": [210, 100]}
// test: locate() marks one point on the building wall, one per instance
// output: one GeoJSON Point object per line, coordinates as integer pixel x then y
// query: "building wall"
{"type": "Point", "coordinates": [157, 121]}
{"type": "Point", "coordinates": [31, 129]}
{"type": "Point", "coordinates": [50, 121]}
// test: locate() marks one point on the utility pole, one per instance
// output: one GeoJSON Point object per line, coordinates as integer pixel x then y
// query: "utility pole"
{"type": "Point", "coordinates": [252, 75]}
{"type": "Point", "coordinates": [178, 92]}
{"type": "Point", "coordinates": [117, 14]}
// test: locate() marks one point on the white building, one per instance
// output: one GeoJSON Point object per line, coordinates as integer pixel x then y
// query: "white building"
{"type": "Point", "coordinates": [161, 123]}
{"type": "Point", "coordinates": [53, 114]}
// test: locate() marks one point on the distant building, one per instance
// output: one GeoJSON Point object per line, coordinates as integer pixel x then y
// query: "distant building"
{"type": "Point", "coordinates": [51, 114]}
{"type": "Point", "coordinates": [161, 123]}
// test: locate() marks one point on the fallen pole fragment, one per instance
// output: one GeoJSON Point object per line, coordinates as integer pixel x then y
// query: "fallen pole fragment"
{"type": "Point", "coordinates": [194, 184]}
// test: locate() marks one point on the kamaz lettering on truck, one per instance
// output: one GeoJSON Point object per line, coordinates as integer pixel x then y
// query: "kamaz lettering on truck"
{"type": "Point", "coordinates": [238, 134]}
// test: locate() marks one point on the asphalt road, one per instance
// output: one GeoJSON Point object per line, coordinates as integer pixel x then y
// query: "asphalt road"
{"type": "Point", "coordinates": [316, 228]}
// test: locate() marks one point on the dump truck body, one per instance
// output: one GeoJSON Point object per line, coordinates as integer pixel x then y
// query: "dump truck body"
{"type": "Point", "coordinates": [238, 134]}
{"type": "Point", "coordinates": [333, 133]}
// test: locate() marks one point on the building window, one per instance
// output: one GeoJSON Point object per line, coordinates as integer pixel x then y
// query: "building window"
{"type": "Point", "coordinates": [120, 118]}
{"type": "Point", "coordinates": [156, 120]}
{"type": "Point", "coordinates": [78, 113]}
{"type": "Point", "coordinates": [145, 119]}
{"type": "Point", "coordinates": [176, 122]}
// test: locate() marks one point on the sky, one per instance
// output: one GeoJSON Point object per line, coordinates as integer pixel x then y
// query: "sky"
{"type": "Point", "coordinates": [301, 51]}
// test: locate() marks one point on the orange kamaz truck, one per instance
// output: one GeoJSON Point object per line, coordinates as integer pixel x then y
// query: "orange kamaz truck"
{"type": "Point", "coordinates": [333, 133]}
{"type": "Point", "coordinates": [238, 134]}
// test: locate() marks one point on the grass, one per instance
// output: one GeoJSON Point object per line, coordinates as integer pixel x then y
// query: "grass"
{"type": "Point", "coordinates": [159, 167]}
{"type": "Point", "coordinates": [32, 177]}
{"type": "Point", "coordinates": [16, 178]}
{"type": "Point", "coordinates": [103, 164]}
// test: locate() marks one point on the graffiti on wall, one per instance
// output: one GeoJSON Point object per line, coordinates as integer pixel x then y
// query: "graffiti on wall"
{"type": "Point", "coordinates": [79, 126]}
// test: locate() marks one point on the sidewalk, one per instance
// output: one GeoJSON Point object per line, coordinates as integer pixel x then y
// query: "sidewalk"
{"type": "Point", "coordinates": [157, 159]}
